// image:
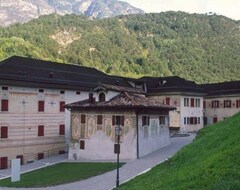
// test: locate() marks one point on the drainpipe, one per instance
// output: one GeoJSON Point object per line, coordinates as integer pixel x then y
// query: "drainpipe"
{"type": "Point", "coordinates": [137, 131]}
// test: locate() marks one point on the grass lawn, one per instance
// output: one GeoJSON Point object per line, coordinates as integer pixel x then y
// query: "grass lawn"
{"type": "Point", "coordinates": [59, 174]}
{"type": "Point", "coordinates": [211, 162]}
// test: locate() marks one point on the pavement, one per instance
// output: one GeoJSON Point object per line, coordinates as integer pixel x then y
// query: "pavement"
{"type": "Point", "coordinates": [107, 181]}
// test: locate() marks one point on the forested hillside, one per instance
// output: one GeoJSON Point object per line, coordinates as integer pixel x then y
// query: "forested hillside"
{"type": "Point", "coordinates": [197, 47]}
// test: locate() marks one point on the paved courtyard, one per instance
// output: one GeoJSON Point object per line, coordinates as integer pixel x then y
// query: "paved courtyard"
{"type": "Point", "coordinates": [107, 181]}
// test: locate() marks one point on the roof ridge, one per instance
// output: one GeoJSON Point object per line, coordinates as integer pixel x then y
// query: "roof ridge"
{"type": "Point", "coordinates": [127, 94]}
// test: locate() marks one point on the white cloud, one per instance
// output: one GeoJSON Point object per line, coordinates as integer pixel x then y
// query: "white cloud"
{"type": "Point", "coordinates": [229, 8]}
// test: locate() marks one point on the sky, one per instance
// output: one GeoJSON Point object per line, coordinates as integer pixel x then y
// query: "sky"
{"type": "Point", "coordinates": [228, 8]}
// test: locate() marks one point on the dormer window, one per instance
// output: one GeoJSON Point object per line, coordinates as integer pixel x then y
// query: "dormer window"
{"type": "Point", "coordinates": [102, 97]}
{"type": "Point", "coordinates": [162, 82]}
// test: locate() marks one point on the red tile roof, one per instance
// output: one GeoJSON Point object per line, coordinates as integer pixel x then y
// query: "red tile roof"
{"type": "Point", "coordinates": [123, 100]}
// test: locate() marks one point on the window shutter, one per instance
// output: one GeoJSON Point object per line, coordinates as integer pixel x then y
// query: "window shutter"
{"type": "Point", "coordinates": [148, 120]}
{"type": "Point", "coordinates": [122, 120]}
{"type": "Point", "coordinates": [41, 106]}
{"type": "Point", "coordinates": [40, 130]}
{"type": "Point", "coordinates": [204, 104]}
{"type": "Point", "coordinates": [61, 129]}
{"type": "Point", "coordinates": [113, 120]}
{"type": "Point", "coordinates": [62, 103]}
{"type": "Point", "coordinates": [4, 132]}
{"type": "Point", "coordinates": [168, 101]}
{"type": "Point", "coordinates": [237, 103]}
{"type": "Point", "coordinates": [83, 118]}
{"type": "Point", "coordinates": [192, 102]}
{"type": "Point", "coordinates": [224, 103]}
{"type": "Point", "coordinates": [230, 103]}
{"type": "Point", "coordinates": [4, 105]}
{"type": "Point", "coordinates": [3, 162]}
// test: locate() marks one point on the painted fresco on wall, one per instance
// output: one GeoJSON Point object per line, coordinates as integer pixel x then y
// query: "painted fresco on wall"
{"type": "Point", "coordinates": [109, 131]}
{"type": "Point", "coordinates": [91, 126]}
{"type": "Point", "coordinates": [87, 131]}
{"type": "Point", "coordinates": [75, 127]}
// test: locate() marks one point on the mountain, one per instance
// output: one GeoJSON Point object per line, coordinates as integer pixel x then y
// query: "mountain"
{"type": "Point", "coordinates": [12, 11]}
{"type": "Point", "coordinates": [199, 47]}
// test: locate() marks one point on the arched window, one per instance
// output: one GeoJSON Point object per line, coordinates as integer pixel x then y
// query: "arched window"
{"type": "Point", "coordinates": [102, 97]}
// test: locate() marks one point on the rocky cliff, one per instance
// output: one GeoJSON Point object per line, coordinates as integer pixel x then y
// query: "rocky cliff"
{"type": "Point", "coordinates": [12, 11]}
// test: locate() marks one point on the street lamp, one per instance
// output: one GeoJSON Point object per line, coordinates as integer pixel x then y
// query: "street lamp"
{"type": "Point", "coordinates": [118, 132]}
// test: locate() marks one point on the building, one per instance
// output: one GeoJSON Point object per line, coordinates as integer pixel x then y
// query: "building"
{"type": "Point", "coordinates": [34, 123]}
{"type": "Point", "coordinates": [144, 125]}
{"type": "Point", "coordinates": [185, 95]}
{"type": "Point", "coordinates": [222, 100]}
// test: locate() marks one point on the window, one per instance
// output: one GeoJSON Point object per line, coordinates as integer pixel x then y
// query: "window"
{"type": "Point", "coordinates": [99, 119]}
{"type": "Point", "coordinates": [188, 120]}
{"type": "Point", "coordinates": [204, 104]}
{"type": "Point", "coordinates": [227, 103]}
{"type": "Point", "coordinates": [62, 103]}
{"type": "Point", "coordinates": [186, 102]}
{"type": "Point", "coordinates": [118, 120]}
{"type": "Point", "coordinates": [237, 103]}
{"type": "Point", "coordinates": [192, 102]}
{"type": "Point", "coordinates": [41, 106]}
{"type": "Point", "coordinates": [21, 158]}
{"type": "Point", "coordinates": [4, 132]}
{"type": "Point", "coordinates": [102, 97]}
{"type": "Point", "coordinates": [215, 119]}
{"type": "Point", "coordinates": [145, 120]}
{"type": "Point", "coordinates": [61, 152]}
{"type": "Point", "coordinates": [40, 130]}
{"type": "Point", "coordinates": [4, 105]}
{"type": "Point", "coordinates": [168, 101]}
{"type": "Point", "coordinates": [78, 93]}
{"type": "Point", "coordinates": [83, 118]}
{"type": "Point", "coordinates": [62, 92]}
{"type": "Point", "coordinates": [4, 88]}
{"type": "Point", "coordinates": [61, 129]}
{"type": "Point", "coordinates": [215, 104]}
{"type": "Point", "coordinates": [199, 120]}
{"type": "Point", "coordinates": [82, 144]}
{"type": "Point", "coordinates": [161, 120]}
{"type": "Point", "coordinates": [40, 156]}
{"type": "Point", "coordinates": [193, 120]}
{"type": "Point", "coordinates": [197, 102]}
{"type": "Point", "coordinates": [3, 163]}
{"type": "Point", "coordinates": [40, 90]}
{"type": "Point", "coordinates": [185, 120]}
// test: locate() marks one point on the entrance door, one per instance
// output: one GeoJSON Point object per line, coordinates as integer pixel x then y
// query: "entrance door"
{"type": "Point", "coordinates": [3, 163]}
{"type": "Point", "coordinates": [215, 120]}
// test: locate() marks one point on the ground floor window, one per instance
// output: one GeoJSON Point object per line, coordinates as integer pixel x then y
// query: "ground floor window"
{"type": "Point", "coordinates": [4, 132]}
{"type": "Point", "coordinates": [192, 120]}
{"type": "Point", "coordinates": [40, 156]}
{"type": "Point", "coordinates": [21, 158]}
{"type": "Point", "coordinates": [162, 120]}
{"type": "Point", "coordinates": [3, 163]}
